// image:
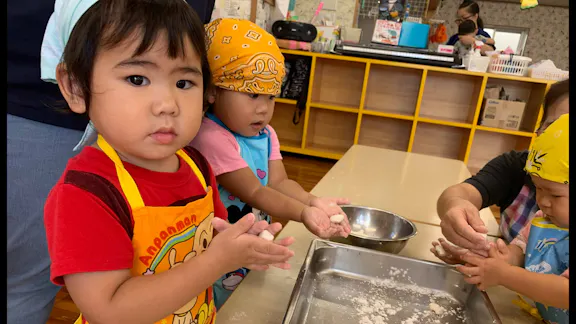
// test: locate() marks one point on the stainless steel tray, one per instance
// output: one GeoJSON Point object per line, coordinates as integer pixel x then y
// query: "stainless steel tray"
{"type": "Point", "coordinates": [346, 284]}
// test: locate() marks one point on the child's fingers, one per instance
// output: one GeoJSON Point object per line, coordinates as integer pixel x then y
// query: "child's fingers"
{"type": "Point", "coordinates": [283, 266]}
{"type": "Point", "coordinates": [472, 259]}
{"type": "Point", "coordinates": [258, 227]}
{"type": "Point", "coordinates": [242, 226]}
{"type": "Point", "coordinates": [274, 228]}
{"type": "Point", "coordinates": [287, 241]}
{"type": "Point", "coordinates": [220, 225]}
{"type": "Point", "coordinates": [258, 267]}
{"type": "Point", "coordinates": [265, 258]}
{"type": "Point", "coordinates": [473, 280]}
{"type": "Point", "coordinates": [468, 271]}
{"type": "Point", "coordinates": [270, 248]}
{"type": "Point", "coordinates": [340, 200]}
{"type": "Point", "coordinates": [493, 251]}
{"type": "Point", "coordinates": [502, 247]}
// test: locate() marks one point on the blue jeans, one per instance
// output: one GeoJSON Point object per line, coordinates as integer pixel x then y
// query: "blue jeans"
{"type": "Point", "coordinates": [37, 154]}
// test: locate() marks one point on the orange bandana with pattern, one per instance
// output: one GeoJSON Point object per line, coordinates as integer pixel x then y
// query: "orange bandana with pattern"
{"type": "Point", "coordinates": [244, 57]}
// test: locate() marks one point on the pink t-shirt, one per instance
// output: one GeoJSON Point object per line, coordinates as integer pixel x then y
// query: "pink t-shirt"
{"type": "Point", "coordinates": [221, 149]}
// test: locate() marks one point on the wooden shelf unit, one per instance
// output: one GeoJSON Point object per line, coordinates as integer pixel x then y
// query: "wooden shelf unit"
{"type": "Point", "coordinates": [400, 106]}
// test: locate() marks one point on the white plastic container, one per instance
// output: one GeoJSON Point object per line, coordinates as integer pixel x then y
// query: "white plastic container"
{"type": "Point", "coordinates": [509, 64]}
{"type": "Point", "coordinates": [476, 63]}
{"type": "Point", "coordinates": [548, 74]}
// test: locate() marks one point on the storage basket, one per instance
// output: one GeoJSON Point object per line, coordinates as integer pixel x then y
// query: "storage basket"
{"type": "Point", "coordinates": [509, 64]}
{"type": "Point", "coordinates": [548, 74]}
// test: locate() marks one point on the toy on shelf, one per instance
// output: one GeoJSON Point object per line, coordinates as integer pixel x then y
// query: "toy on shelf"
{"type": "Point", "coordinates": [527, 4]}
{"type": "Point", "coordinates": [438, 33]}
{"type": "Point", "coordinates": [391, 10]}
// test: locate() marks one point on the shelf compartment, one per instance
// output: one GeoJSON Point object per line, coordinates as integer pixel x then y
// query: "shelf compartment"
{"type": "Point", "coordinates": [444, 122]}
{"type": "Point", "coordinates": [387, 115]}
{"type": "Point", "coordinates": [288, 134]}
{"type": "Point", "coordinates": [450, 97]}
{"type": "Point", "coordinates": [333, 107]}
{"type": "Point", "coordinates": [330, 131]}
{"type": "Point", "coordinates": [385, 133]}
{"type": "Point", "coordinates": [337, 83]}
{"type": "Point", "coordinates": [488, 145]}
{"type": "Point", "coordinates": [505, 131]}
{"type": "Point", "coordinates": [442, 141]}
{"type": "Point", "coordinates": [285, 101]}
{"type": "Point", "coordinates": [392, 89]}
{"type": "Point", "coordinates": [529, 92]}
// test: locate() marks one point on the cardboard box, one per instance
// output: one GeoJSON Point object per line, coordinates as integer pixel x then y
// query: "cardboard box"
{"type": "Point", "coordinates": [387, 32]}
{"type": "Point", "coordinates": [502, 114]}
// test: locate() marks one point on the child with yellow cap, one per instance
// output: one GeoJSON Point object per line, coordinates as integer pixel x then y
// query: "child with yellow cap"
{"type": "Point", "coordinates": [542, 246]}
{"type": "Point", "coordinates": [244, 152]}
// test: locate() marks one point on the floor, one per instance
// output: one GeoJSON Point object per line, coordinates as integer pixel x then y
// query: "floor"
{"type": "Point", "coordinates": [306, 171]}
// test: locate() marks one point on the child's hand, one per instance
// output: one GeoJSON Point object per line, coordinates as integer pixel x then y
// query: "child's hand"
{"type": "Point", "coordinates": [330, 206]}
{"type": "Point", "coordinates": [453, 253]}
{"type": "Point", "coordinates": [485, 272]}
{"type": "Point", "coordinates": [318, 223]}
{"type": "Point", "coordinates": [466, 39]}
{"type": "Point", "coordinates": [234, 247]}
{"type": "Point", "coordinates": [221, 225]}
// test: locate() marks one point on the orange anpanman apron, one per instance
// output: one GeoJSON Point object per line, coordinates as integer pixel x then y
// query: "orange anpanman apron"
{"type": "Point", "coordinates": [164, 237]}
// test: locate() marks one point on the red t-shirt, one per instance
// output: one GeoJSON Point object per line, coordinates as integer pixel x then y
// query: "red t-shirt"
{"type": "Point", "coordinates": [88, 220]}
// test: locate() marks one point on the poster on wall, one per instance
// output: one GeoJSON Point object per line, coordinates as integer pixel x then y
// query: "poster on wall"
{"type": "Point", "coordinates": [231, 9]}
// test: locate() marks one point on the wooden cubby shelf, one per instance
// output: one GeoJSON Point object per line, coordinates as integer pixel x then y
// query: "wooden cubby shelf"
{"type": "Point", "coordinates": [406, 107]}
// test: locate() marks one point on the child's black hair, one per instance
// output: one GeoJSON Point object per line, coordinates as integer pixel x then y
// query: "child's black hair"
{"type": "Point", "coordinates": [467, 27]}
{"type": "Point", "coordinates": [556, 92]}
{"type": "Point", "coordinates": [110, 22]}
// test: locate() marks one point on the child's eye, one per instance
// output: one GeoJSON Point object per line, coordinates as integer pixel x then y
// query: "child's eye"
{"type": "Point", "coordinates": [272, 97]}
{"type": "Point", "coordinates": [184, 84]}
{"type": "Point", "coordinates": [138, 80]}
{"type": "Point", "coordinates": [254, 95]}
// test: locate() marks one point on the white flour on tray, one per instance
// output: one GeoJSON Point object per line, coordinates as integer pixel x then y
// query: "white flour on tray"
{"type": "Point", "coordinates": [378, 306]}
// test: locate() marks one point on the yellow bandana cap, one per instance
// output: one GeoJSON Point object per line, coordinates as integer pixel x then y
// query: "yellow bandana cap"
{"type": "Point", "coordinates": [244, 57]}
{"type": "Point", "coordinates": [548, 157]}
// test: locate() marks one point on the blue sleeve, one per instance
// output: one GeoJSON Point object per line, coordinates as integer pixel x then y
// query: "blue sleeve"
{"type": "Point", "coordinates": [452, 40]}
{"type": "Point", "coordinates": [485, 34]}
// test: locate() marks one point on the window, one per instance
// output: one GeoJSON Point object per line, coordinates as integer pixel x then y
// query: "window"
{"type": "Point", "coordinates": [514, 37]}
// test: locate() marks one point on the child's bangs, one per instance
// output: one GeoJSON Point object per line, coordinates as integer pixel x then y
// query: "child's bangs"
{"type": "Point", "coordinates": [146, 20]}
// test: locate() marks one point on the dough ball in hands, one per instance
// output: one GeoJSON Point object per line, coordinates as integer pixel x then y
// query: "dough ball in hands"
{"type": "Point", "coordinates": [337, 219]}
{"type": "Point", "coordinates": [265, 234]}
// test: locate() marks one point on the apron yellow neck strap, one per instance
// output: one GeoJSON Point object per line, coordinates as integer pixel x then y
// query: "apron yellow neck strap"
{"type": "Point", "coordinates": [127, 183]}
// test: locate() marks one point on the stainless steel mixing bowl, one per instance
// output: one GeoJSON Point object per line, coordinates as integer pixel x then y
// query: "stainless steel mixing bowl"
{"type": "Point", "coordinates": [392, 231]}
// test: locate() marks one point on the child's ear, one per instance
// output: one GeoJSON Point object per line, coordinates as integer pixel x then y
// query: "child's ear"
{"type": "Point", "coordinates": [69, 90]}
{"type": "Point", "coordinates": [211, 95]}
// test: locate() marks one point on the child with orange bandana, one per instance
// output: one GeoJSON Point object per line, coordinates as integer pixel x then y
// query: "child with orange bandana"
{"type": "Point", "coordinates": [242, 148]}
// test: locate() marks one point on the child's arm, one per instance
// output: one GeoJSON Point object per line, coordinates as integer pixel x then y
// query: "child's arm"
{"type": "Point", "coordinates": [548, 289]}
{"type": "Point", "coordinates": [117, 297]}
{"type": "Point", "coordinates": [243, 184]}
{"type": "Point", "coordinates": [278, 180]}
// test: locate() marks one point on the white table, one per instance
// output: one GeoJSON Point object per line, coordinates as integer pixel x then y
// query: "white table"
{"type": "Point", "coordinates": [262, 297]}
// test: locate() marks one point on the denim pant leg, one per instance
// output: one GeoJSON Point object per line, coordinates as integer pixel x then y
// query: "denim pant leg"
{"type": "Point", "coordinates": [37, 154]}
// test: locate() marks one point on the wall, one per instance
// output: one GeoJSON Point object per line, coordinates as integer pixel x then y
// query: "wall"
{"type": "Point", "coordinates": [241, 9]}
{"type": "Point", "coordinates": [305, 9]}
{"type": "Point", "coordinates": [548, 26]}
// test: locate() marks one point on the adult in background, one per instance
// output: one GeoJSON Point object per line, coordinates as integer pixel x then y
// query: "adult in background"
{"type": "Point", "coordinates": [40, 139]}
{"type": "Point", "coordinates": [469, 10]}
{"type": "Point", "coordinates": [502, 181]}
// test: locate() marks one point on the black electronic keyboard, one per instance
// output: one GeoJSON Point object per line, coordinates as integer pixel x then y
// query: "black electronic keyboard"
{"type": "Point", "coordinates": [401, 54]}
